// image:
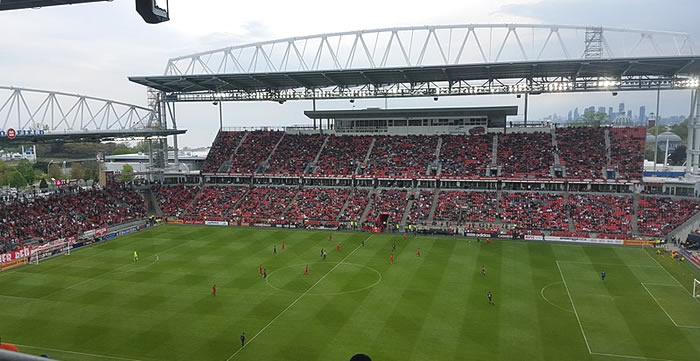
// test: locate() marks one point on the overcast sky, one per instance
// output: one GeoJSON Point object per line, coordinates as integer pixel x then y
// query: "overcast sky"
{"type": "Point", "coordinates": [92, 49]}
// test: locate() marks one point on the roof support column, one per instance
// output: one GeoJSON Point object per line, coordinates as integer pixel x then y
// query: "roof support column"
{"type": "Point", "coordinates": [693, 149]}
{"type": "Point", "coordinates": [171, 111]}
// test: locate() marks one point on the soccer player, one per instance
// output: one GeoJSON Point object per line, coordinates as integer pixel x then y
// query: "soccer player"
{"type": "Point", "coordinates": [330, 236]}
{"type": "Point", "coordinates": [274, 250]}
{"type": "Point", "coordinates": [324, 254]}
{"type": "Point", "coordinates": [404, 236]}
{"type": "Point", "coordinates": [391, 258]}
{"type": "Point", "coordinates": [243, 339]}
{"type": "Point", "coordinates": [337, 247]}
{"type": "Point", "coordinates": [264, 273]}
{"type": "Point", "coordinates": [602, 275]}
{"type": "Point", "coordinates": [490, 296]}
{"type": "Point", "coordinates": [136, 256]}
{"type": "Point", "coordinates": [306, 270]}
{"type": "Point", "coordinates": [363, 243]}
{"type": "Point", "coordinates": [260, 269]}
{"type": "Point", "coordinates": [483, 270]}
{"type": "Point", "coordinates": [283, 245]}
{"type": "Point", "coordinates": [418, 252]}
{"type": "Point", "coordinates": [393, 246]}
{"type": "Point", "coordinates": [321, 252]}
{"type": "Point", "coordinates": [213, 290]}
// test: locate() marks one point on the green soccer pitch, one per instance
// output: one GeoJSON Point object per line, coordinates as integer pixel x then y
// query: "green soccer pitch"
{"type": "Point", "coordinates": [550, 301]}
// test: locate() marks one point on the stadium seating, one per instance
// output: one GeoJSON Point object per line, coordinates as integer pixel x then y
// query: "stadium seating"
{"type": "Point", "coordinates": [582, 151]}
{"type": "Point", "coordinates": [356, 205]}
{"type": "Point", "coordinates": [172, 200]}
{"type": "Point", "coordinates": [525, 154]}
{"type": "Point", "coordinates": [342, 155]}
{"type": "Point", "coordinates": [627, 151]}
{"type": "Point", "coordinates": [464, 156]}
{"type": "Point", "coordinates": [294, 154]}
{"type": "Point", "coordinates": [420, 210]}
{"type": "Point", "coordinates": [402, 156]}
{"type": "Point", "coordinates": [658, 216]}
{"type": "Point", "coordinates": [390, 201]}
{"type": "Point", "coordinates": [476, 207]}
{"type": "Point", "coordinates": [217, 202]}
{"type": "Point", "coordinates": [254, 150]}
{"type": "Point", "coordinates": [69, 212]}
{"type": "Point", "coordinates": [534, 211]}
{"type": "Point", "coordinates": [323, 204]}
{"type": "Point", "coordinates": [265, 203]}
{"type": "Point", "coordinates": [221, 150]}
{"type": "Point", "coordinates": [606, 214]}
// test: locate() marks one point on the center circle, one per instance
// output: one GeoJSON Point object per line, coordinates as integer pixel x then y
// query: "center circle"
{"type": "Point", "coordinates": [324, 278]}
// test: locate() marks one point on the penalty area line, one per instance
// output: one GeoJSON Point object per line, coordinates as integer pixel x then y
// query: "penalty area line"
{"type": "Point", "coordinates": [294, 302]}
{"type": "Point", "coordinates": [79, 353]}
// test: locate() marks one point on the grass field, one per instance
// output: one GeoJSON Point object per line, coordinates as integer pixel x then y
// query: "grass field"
{"type": "Point", "coordinates": [550, 303]}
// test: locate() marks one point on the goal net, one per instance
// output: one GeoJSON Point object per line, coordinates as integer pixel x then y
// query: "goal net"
{"type": "Point", "coordinates": [48, 250]}
{"type": "Point", "coordinates": [696, 288]}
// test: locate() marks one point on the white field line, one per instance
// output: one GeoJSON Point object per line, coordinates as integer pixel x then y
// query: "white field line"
{"type": "Point", "coordinates": [663, 309]}
{"type": "Point", "coordinates": [574, 308]}
{"type": "Point", "coordinates": [610, 264]}
{"type": "Point", "coordinates": [630, 357]}
{"type": "Point", "coordinates": [59, 266]}
{"type": "Point", "coordinates": [672, 276]}
{"type": "Point", "coordinates": [78, 353]}
{"type": "Point", "coordinates": [550, 302]}
{"type": "Point", "coordinates": [294, 302]}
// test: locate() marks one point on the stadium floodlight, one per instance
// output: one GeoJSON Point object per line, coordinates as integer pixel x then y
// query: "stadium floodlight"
{"type": "Point", "coordinates": [696, 288]}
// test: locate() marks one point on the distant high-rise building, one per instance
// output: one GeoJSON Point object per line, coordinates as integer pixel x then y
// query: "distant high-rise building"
{"type": "Point", "coordinates": [601, 109]}
{"type": "Point", "coordinates": [611, 115]}
{"type": "Point", "coordinates": [629, 114]}
{"type": "Point", "coordinates": [643, 114]}
{"type": "Point", "coordinates": [569, 116]}
{"type": "Point", "coordinates": [590, 109]}
{"type": "Point", "coordinates": [577, 117]}
{"type": "Point", "coordinates": [621, 109]}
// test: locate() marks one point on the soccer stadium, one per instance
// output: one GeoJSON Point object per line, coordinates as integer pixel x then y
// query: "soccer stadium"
{"type": "Point", "coordinates": [379, 233]}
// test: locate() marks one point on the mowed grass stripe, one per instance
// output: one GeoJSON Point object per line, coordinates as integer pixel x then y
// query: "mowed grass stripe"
{"type": "Point", "coordinates": [429, 308]}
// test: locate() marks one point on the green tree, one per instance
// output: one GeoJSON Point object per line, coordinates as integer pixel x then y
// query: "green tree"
{"type": "Point", "coordinates": [16, 179]}
{"type": "Point", "coordinates": [678, 156]}
{"type": "Point", "coordinates": [43, 184]}
{"type": "Point", "coordinates": [24, 167]}
{"type": "Point", "coordinates": [55, 171]}
{"type": "Point", "coordinates": [681, 129]}
{"type": "Point", "coordinates": [593, 119]}
{"type": "Point", "coordinates": [127, 169]}
{"type": "Point", "coordinates": [77, 171]}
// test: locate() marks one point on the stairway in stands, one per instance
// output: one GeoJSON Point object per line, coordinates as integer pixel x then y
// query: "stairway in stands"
{"type": "Point", "coordinates": [436, 196]}
{"type": "Point", "coordinates": [366, 160]}
{"type": "Point", "coordinates": [569, 220]}
{"type": "Point", "coordinates": [226, 166]}
{"type": "Point", "coordinates": [635, 214]}
{"type": "Point", "coordinates": [494, 151]}
{"type": "Point", "coordinates": [369, 203]}
{"type": "Point", "coordinates": [263, 166]}
{"type": "Point", "coordinates": [311, 168]}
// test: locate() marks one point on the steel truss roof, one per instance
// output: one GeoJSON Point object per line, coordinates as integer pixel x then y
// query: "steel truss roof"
{"type": "Point", "coordinates": [674, 72]}
{"type": "Point", "coordinates": [26, 4]}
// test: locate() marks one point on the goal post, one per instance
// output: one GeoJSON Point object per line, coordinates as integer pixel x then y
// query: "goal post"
{"type": "Point", "coordinates": [49, 250]}
{"type": "Point", "coordinates": [696, 288]}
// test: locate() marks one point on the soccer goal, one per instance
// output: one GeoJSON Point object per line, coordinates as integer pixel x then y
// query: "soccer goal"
{"type": "Point", "coordinates": [696, 288]}
{"type": "Point", "coordinates": [48, 250]}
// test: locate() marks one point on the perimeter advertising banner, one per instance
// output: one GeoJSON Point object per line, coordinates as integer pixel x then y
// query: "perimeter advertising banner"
{"type": "Point", "coordinates": [23, 252]}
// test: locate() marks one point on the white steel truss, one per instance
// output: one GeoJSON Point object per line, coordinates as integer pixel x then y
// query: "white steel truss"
{"type": "Point", "coordinates": [53, 112]}
{"type": "Point", "coordinates": [432, 45]}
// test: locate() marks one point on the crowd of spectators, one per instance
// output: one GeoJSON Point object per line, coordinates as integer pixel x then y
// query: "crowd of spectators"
{"type": "Point", "coordinates": [389, 201]}
{"type": "Point", "coordinates": [221, 150]}
{"type": "Point", "coordinates": [254, 150]}
{"type": "Point", "coordinates": [658, 216]}
{"type": "Point", "coordinates": [265, 203]}
{"type": "Point", "coordinates": [356, 205]}
{"type": "Point", "coordinates": [582, 151]}
{"type": "Point", "coordinates": [323, 204]}
{"type": "Point", "coordinates": [294, 153]}
{"type": "Point", "coordinates": [420, 210]}
{"type": "Point", "coordinates": [463, 156]}
{"type": "Point", "coordinates": [217, 202]}
{"type": "Point", "coordinates": [173, 200]}
{"type": "Point", "coordinates": [342, 155]}
{"type": "Point", "coordinates": [605, 214]}
{"type": "Point", "coordinates": [627, 151]}
{"type": "Point", "coordinates": [525, 154]}
{"type": "Point", "coordinates": [402, 156]}
{"type": "Point", "coordinates": [534, 211]}
{"type": "Point", "coordinates": [453, 206]}
{"type": "Point", "coordinates": [69, 212]}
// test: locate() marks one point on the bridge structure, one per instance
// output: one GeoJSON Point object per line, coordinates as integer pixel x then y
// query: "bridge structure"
{"type": "Point", "coordinates": [41, 116]}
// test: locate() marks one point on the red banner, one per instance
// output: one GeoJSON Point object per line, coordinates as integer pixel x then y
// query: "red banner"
{"type": "Point", "coordinates": [23, 252]}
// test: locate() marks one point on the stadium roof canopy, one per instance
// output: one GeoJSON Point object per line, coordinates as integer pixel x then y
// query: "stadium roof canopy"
{"type": "Point", "coordinates": [25, 4]}
{"type": "Point", "coordinates": [91, 136]}
{"type": "Point", "coordinates": [373, 113]}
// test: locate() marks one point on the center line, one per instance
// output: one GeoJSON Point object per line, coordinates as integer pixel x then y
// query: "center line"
{"type": "Point", "coordinates": [295, 301]}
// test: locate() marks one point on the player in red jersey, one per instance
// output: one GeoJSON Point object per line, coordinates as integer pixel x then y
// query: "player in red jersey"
{"type": "Point", "coordinates": [337, 247]}
{"type": "Point", "coordinates": [306, 270]}
{"type": "Point", "coordinates": [418, 252]}
{"type": "Point", "coordinates": [330, 236]}
{"type": "Point", "coordinates": [283, 245]}
{"type": "Point", "coordinates": [391, 258]}
{"type": "Point", "coordinates": [404, 236]}
{"type": "Point", "coordinates": [260, 269]}
{"type": "Point", "coordinates": [213, 290]}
